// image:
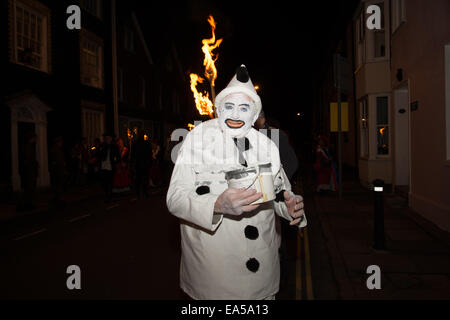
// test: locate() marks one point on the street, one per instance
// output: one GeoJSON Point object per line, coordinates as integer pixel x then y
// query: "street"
{"type": "Point", "coordinates": [125, 249]}
{"type": "Point", "coordinates": [128, 249]}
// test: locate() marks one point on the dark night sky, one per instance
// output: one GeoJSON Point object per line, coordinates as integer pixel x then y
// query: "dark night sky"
{"type": "Point", "coordinates": [282, 43]}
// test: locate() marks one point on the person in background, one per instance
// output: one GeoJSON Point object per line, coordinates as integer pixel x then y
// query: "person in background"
{"type": "Point", "coordinates": [324, 167]}
{"type": "Point", "coordinates": [155, 170]}
{"type": "Point", "coordinates": [167, 160]}
{"type": "Point", "coordinates": [109, 156]}
{"type": "Point", "coordinates": [141, 158]}
{"type": "Point", "coordinates": [121, 181]}
{"type": "Point", "coordinates": [57, 170]}
{"type": "Point", "coordinates": [94, 159]}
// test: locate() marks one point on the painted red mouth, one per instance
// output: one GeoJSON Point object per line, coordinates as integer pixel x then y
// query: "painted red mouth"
{"type": "Point", "coordinates": [234, 124]}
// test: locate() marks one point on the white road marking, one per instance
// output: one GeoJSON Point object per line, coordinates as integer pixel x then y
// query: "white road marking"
{"type": "Point", "coordinates": [80, 217]}
{"type": "Point", "coordinates": [30, 234]}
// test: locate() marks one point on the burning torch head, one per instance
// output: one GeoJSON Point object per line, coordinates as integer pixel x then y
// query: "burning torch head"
{"type": "Point", "coordinates": [238, 105]}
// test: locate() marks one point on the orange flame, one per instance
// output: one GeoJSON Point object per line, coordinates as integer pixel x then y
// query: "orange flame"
{"type": "Point", "coordinates": [382, 131]}
{"type": "Point", "coordinates": [208, 46]}
{"type": "Point", "coordinates": [202, 102]}
{"type": "Point", "coordinates": [190, 126]}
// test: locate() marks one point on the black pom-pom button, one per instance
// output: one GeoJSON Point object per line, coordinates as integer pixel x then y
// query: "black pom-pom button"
{"type": "Point", "coordinates": [253, 265]}
{"type": "Point", "coordinates": [251, 232]}
{"type": "Point", "coordinates": [280, 196]}
{"type": "Point", "coordinates": [202, 190]}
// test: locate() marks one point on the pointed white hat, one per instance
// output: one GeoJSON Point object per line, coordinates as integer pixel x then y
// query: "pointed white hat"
{"type": "Point", "coordinates": [240, 83]}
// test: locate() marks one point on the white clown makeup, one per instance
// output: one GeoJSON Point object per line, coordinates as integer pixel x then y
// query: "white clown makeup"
{"type": "Point", "coordinates": [237, 114]}
{"type": "Point", "coordinates": [238, 105]}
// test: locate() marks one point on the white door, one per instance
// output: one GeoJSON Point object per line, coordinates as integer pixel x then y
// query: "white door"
{"type": "Point", "coordinates": [401, 97]}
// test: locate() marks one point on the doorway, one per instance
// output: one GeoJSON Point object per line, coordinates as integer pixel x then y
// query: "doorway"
{"type": "Point", "coordinates": [402, 143]}
{"type": "Point", "coordinates": [24, 131]}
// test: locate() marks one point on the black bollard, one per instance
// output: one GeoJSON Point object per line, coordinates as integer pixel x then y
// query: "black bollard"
{"type": "Point", "coordinates": [378, 186]}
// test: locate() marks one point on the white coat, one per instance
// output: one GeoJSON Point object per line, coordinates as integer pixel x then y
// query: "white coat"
{"type": "Point", "coordinates": [225, 257]}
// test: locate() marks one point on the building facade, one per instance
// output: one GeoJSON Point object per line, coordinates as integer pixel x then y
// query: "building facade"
{"type": "Point", "coordinates": [57, 81]}
{"type": "Point", "coordinates": [81, 83]}
{"type": "Point", "coordinates": [401, 98]}
{"type": "Point", "coordinates": [420, 107]}
{"type": "Point", "coordinates": [373, 94]}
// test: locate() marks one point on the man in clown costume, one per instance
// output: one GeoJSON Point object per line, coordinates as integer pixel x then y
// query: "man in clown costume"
{"type": "Point", "coordinates": [229, 244]}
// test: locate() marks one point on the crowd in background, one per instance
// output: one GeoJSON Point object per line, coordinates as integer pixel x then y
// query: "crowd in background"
{"type": "Point", "coordinates": [141, 164]}
{"type": "Point", "coordinates": [138, 166]}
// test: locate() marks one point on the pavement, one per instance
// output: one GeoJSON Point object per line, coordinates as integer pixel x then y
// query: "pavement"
{"type": "Point", "coordinates": [414, 265]}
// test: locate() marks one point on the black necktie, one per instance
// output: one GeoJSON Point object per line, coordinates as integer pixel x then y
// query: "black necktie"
{"type": "Point", "coordinates": [243, 145]}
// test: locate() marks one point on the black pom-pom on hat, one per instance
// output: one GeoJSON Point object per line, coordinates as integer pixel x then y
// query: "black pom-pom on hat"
{"type": "Point", "coordinates": [242, 74]}
{"type": "Point", "coordinates": [251, 232]}
{"type": "Point", "coordinates": [252, 265]}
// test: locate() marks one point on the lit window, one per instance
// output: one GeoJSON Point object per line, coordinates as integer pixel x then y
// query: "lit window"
{"type": "Point", "coordinates": [91, 60]}
{"type": "Point", "coordinates": [92, 124]}
{"type": "Point", "coordinates": [30, 35]}
{"type": "Point", "coordinates": [382, 126]}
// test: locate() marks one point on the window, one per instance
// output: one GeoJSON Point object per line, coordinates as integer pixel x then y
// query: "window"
{"type": "Point", "coordinates": [30, 38]}
{"type": "Point", "coordinates": [364, 152]}
{"type": "Point", "coordinates": [447, 97]}
{"type": "Point", "coordinates": [382, 125]}
{"type": "Point", "coordinates": [128, 39]}
{"type": "Point", "coordinates": [93, 7]}
{"type": "Point", "coordinates": [379, 37]}
{"type": "Point", "coordinates": [142, 91]}
{"type": "Point", "coordinates": [120, 84]}
{"type": "Point", "coordinates": [91, 60]}
{"type": "Point", "coordinates": [92, 124]}
{"type": "Point", "coordinates": [398, 13]}
{"type": "Point", "coordinates": [360, 45]}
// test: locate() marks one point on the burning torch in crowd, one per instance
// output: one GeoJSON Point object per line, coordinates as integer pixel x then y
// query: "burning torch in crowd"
{"type": "Point", "coordinates": [202, 102]}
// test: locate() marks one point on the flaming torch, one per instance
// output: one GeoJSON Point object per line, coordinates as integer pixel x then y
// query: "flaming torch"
{"type": "Point", "coordinates": [202, 102]}
{"type": "Point", "coordinates": [208, 46]}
